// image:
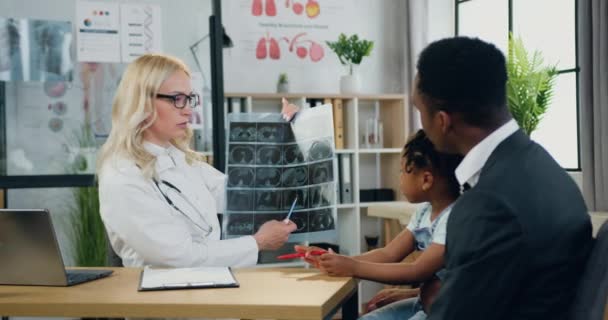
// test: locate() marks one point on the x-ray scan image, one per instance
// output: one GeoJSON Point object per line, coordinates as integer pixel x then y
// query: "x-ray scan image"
{"type": "Point", "coordinates": [35, 50]}
{"type": "Point", "coordinates": [319, 150]}
{"type": "Point", "coordinates": [273, 164]}
{"type": "Point", "coordinates": [321, 196]}
{"type": "Point", "coordinates": [270, 132]}
{"type": "Point", "coordinates": [240, 224]}
{"type": "Point", "coordinates": [268, 177]}
{"type": "Point", "coordinates": [290, 195]}
{"type": "Point", "coordinates": [241, 177]}
{"type": "Point", "coordinates": [267, 200]}
{"type": "Point", "coordinates": [301, 221]}
{"type": "Point", "coordinates": [295, 176]}
{"type": "Point", "coordinates": [269, 155]}
{"type": "Point", "coordinates": [260, 218]}
{"type": "Point", "coordinates": [244, 132]}
{"type": "Point", "coordinates": [241, 154]}
{"type": "Point", "coordinates": [240, 200]}
{"type": "Point", "coordinates": [321, 172]}
{"type": "Point", "coordinates": [292, 154]}
{"type": "Point", "coordinates": [321, 220]}
{"type": "Point", "coordinates": [288, 134]}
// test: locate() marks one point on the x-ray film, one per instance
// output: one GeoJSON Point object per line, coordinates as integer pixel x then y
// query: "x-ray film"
{"type": "Point", "coordinates": [271, 162]}
{"type": "Point", "coordinates": [35, 50]}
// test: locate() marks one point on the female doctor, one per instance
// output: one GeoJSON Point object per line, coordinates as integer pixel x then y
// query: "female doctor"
{"type": "Point", "coordinates": [158, 199]}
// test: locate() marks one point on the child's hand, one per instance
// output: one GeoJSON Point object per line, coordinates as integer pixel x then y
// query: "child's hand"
{"type": "Point", "coordinates": [312, 260]}
{"type": "Point", "coordinates": [391, 295]}
{"type": "Point", "coordinates": [337, 265]}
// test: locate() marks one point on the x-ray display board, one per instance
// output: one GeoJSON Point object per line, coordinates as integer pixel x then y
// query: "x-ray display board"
{"type": "Point", "coordinates": [271, 162]}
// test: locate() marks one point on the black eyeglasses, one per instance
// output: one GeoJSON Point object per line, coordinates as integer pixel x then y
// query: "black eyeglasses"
{"type": "Point", "coordinates": [180, 100]}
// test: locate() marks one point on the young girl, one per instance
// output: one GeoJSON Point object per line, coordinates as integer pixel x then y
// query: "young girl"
{"type": "Point", "coordinates": [427, 177]}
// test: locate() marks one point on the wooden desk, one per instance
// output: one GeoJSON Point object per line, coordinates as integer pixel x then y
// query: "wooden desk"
{"type": "Point", "coordinates": [288, 293]}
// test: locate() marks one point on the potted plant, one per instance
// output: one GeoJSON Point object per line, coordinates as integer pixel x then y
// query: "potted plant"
{"type": "Point", "coordinates": [82, 150]}
{"type": "Point", "coordinates": [530, 85]}
{"type": "Point", "coordinates": [87, 229]}
{"type": "Point", "coordinates": [350, 52]}
{"type": "Point", "coordinates": [283, 84]}
{"type": "Point", "coordinates": [88, 232]}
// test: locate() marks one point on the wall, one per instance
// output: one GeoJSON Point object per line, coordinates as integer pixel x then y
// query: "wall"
{"type": "Point", "coordinates": [379, 21]}
{"type": "Point", "coordinates": [381, 73]}
{"type": "Point", "coordinates": [183, 23]}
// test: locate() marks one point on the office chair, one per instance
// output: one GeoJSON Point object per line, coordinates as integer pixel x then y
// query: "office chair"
{"type": "Point", "coordinates": [112, 259]}
{"type": "Point", "coordinates": [592, 292]}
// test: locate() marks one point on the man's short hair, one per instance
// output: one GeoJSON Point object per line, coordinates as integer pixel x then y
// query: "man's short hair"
{"type": "Point", "coordinates": [464, 75]}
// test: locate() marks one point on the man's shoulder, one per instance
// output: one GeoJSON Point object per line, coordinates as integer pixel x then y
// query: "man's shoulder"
{"type": "Point", "coordinates": [481, 201]}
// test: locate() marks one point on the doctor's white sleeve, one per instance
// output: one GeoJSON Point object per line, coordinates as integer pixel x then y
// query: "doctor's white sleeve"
{"type": "Point", "coordinates": [141, 223]}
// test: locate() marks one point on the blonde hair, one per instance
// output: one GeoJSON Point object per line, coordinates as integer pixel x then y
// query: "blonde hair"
{"type": "Point", "coordinates": [131, 107]}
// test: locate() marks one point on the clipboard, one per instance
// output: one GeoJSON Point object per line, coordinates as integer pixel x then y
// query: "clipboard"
{"type": "Point", "coordinates": [153, 279]}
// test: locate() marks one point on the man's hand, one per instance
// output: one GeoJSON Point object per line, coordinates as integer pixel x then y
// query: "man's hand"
{"type": "Point", "coordinates": [391, 295]}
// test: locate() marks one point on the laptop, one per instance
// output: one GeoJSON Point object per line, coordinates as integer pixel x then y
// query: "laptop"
{"type": "Point", "coordinates": [30, 253]}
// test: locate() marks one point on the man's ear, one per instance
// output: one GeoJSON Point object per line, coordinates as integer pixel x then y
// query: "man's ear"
{"type": "Point", "coordinates": [427, 180]}
{"type": "Point", "coordinates": [445, 121]}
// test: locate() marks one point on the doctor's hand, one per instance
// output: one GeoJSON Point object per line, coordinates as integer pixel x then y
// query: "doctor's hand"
{"type": "Point", "coordinates": [289, 110]}
{"type": "Point", "coordinates": [273, 234]}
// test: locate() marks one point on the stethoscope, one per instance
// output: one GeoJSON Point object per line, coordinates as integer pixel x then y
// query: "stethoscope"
{"type": "Point", "coordinates": [170, 185]}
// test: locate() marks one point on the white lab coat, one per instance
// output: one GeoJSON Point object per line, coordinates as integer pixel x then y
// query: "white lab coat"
{"type": "Point", "coordinates": [145, 230]}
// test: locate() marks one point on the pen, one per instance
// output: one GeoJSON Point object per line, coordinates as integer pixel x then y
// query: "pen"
{"type": "Point", "coordinates": [301, 254]}
{"type": "Point", "coordinates": [293, 205]}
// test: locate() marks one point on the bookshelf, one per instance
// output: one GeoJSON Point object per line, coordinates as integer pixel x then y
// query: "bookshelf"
{"type": "Point", "coordinates": [371, 168]}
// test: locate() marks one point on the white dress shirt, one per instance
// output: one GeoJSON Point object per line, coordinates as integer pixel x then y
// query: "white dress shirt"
{"type": "Point", "coordinates": [145, 230]}
{"type": "Point", "coordinates": [469, 169]}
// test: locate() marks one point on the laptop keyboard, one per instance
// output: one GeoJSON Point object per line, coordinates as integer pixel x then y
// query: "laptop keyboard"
{"type": "Point", "coordinates": [77, 276]}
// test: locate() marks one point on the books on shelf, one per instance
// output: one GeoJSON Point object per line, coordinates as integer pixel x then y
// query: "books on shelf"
{"type": "Point", "coordinates": [338, 123]}
{"type": "Point", "coordinates": [345, 178]}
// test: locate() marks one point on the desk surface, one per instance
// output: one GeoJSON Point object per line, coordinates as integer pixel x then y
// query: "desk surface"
{"type": "Point", "coordinates": [288, 293]}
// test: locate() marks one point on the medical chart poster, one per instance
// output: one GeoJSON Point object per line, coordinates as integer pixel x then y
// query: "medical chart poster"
{"type": "Point", "coordinates": [98, 31]}
{"type": "Point", "coordinates": [119, 33]}
{"type": "Point", "coordinates": [140, 30]}
{"type": "Point", "coordinates": [286, 33]}
{"type": "Point", "coordinates": [271, 163]}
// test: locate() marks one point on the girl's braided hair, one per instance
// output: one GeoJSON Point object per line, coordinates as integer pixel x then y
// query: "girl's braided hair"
{"type": "Point", "coordinates": [420, 153]}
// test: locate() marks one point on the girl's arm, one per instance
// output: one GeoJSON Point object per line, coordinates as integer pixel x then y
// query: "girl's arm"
{"type": "Point", "coordinates": [395, 251]}
{"type": "Point", "coordinates": [429, 262]}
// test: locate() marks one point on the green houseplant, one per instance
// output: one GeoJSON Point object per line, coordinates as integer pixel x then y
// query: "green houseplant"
{"type": "Point", "coordinates": [88, 232]}
{"type": "Point", "coordinates": [530, 85]}
{"type": "Point", "coordinates": [350, 51]}
{"type": "Point", "coordinates": [90, 244]}
{"type": "Point", "coordinates": [283, 84]}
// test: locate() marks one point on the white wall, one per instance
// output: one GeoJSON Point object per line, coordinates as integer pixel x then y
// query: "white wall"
{"type": "Point", "coordinates": [441, 19]}
{"type": "Point", "coordinates": [382, 72]}
{"type": "Point", "coordinates": [183, 23]}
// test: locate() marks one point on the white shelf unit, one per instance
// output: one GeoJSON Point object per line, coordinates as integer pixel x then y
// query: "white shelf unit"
{"type": "Point", "coordinates": [371, 168]}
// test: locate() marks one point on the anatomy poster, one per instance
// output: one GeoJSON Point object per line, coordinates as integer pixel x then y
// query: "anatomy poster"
{"type": "Point", "coordinates": [271, 163]}
{"type": "Point", "coordinates": [285, 32]}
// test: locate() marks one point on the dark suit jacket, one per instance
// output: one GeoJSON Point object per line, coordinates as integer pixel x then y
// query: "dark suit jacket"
{"type": "Point", "coordinates": [517, 241]}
